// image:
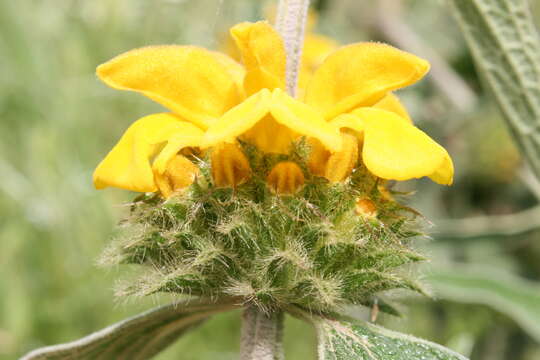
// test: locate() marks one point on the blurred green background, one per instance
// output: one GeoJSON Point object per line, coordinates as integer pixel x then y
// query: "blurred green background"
{"type": "Point", "coordinates": [57, 121]}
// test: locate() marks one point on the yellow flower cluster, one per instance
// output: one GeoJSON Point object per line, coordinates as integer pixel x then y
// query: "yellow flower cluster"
{"type": "Point", "coordinates": [347, 112]}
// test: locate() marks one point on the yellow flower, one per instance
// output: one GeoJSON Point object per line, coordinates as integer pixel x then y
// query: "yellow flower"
{"type": "Point", "coordinates": [206, 93]}
{"type": "Point", "coordinates": [352, 91]}
{"type": "Point", "coordinates": [356, 97]}
{"type": "Point", "coordinates": [215, 102]}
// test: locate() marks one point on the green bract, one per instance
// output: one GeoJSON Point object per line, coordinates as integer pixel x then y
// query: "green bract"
{"type": "Point", "coordinates": [314, 249]}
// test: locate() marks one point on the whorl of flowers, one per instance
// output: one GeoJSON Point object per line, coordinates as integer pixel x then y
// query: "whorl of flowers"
{"type": "Point", "coordinates": [252, 193]}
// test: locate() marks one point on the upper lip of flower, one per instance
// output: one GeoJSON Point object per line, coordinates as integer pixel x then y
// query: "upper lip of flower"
{"type": "Point", "coordinates": [214, 99]}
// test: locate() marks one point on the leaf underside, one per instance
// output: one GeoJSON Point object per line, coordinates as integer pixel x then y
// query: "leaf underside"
{"type": "Point", "coordinates": [137, 338]}
{"type": "Point", "coordinates": [505, 44]}
{"type": "Point", "coordinates": [506, 293]}
{"type": "Point", "coordinates": [341, 340]}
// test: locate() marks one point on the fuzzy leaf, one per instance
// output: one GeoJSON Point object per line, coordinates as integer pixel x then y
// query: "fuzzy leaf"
{"type": "Point", "coordinates": [343, 340]}
{"type": "Point", "coordinates": [515, 297]}
{"type": "Point", "coordinates": [506, 47]}
{"type": "Point", "coordinates": [137, 338]}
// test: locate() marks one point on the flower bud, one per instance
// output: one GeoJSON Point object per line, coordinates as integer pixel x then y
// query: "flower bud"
{"type": "Point", "coordinates": [230, 167]}
{"type": "Point", "coordinates": [366, 208]}
{"type": "Point", "coordinates": [318, 157]}
{"type": "Point", "coordinates": [337, 166]}
{"type": "Point", "coordinates": [341, 163]}
{"type": "Point", "coordinates": [285, 178]}
{"type": "Point", "coordinates": [179, 174]}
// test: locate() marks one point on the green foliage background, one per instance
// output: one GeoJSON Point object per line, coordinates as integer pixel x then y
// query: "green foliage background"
{"type": "Point", "coordinates": [57, 122]}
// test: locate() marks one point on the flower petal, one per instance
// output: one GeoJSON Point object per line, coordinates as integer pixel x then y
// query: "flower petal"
{"type": "Point", "coordinates": [263, 55]}
{"type": "Point", "coordinates": [185, 135]}
{"type": "Point", "coordinates": [190, 81]}
{"type": "Point", "coordinates": [353, 122]}
{"type": "Point", "coordinates": [360, 75]}
{"type": "Point", "coordinates": [127, 165]}
{"type": "Point", "coordinates": [316, 49]}
{"type": "Point", "coordinates": [396, 150]}
{"type": "Point", "coordinates": [272, 122]}
{"type": "Point", "coordinates": [238, 120]}
{"type": "Point", "coordinates": [304, 120]}
{"type": "Point", "coordinates": [349, 121]}
{"type": "Point", "coordinates": [445, 173]}
{"type": "Point", "coordinates": [270, 136]}
{"type": "Point", "coordinates": [392, 103]}
{"type": "Point", "coordinates": [234, 68]}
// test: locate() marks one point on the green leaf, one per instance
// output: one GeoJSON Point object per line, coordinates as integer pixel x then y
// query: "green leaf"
{"type": "Point", "coordinates": [137, 338]}
{"type": "Point", "coordinates": [344, 340]}
{"type": "Point", "coordinates": [515, 297]}
{"type": "Point", "coordinates": [503, 40]}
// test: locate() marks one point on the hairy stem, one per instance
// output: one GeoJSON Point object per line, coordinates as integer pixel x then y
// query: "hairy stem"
{"type": "Point", "coordinates": [261, 335]}
{"type": "Point", "coordinates": [290, 22]}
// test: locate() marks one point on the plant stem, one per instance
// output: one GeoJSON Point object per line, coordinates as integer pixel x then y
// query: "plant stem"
{"type": "Point", "coordinates": [290, 22]}
{"type": "Point", "coordinates": [262, 332]}
{"type": "Point", "coordinates": [261, 335]}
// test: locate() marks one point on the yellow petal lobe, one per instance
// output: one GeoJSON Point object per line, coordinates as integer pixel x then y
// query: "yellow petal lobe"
{"type": "Point", "coordinates": [234, 68]}
{"type": "Point", "coordinates": [304, 120]}
{"type": "Point", "coordinates": [396, 150]}
{"type": "Point", "coordinates": [316, 49]}
{"type": "Point", "coordinates": [179, 174]}
{"type": "Point", "coordinates": [238, 120]}
{"type": "Point", "coordinates": [192, 82]}
{"type": "Point", "coordinates": [285, 178]}
{"type": "Point", "coordinates": [127, 165]}
{"type": "Point", "coordinates": [392, 103]}
{"type": "Point", "coordinates": [360, 75]}
{"type": "Point", "coordinates": [272, 122]}
{"type": "Point", "coordinates": [263, 55]}
{"type": "Point", "coordinates": [185, 136]}
{"type": "Point", "coordinates": [349, 121]}
{"type": "Point", "coordinates": [230, 167]}
{"type": "Point", "coordinates": [445, 173]}
{"type": "Point", "coordinates": [270, 136]}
